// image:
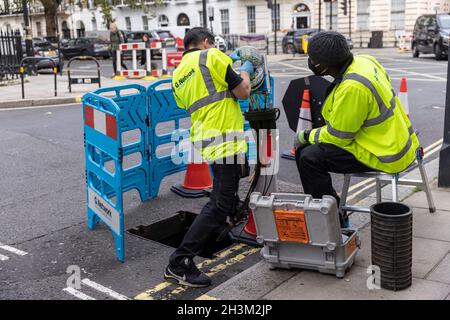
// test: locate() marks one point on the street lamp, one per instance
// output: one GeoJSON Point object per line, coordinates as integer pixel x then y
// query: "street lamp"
{"type": "Point", "coordinates": [28, 35]}
{"type": "Point", "coordinates": [211, 17]}
{"type": "Point", "coordinates": [205, 22]}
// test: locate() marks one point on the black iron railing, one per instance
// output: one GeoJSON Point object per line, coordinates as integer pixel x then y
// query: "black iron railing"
{"type": "Point", "coordinates": [11, 54]}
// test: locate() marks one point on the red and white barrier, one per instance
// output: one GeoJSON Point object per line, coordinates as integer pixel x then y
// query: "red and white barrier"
{"type": "Point", "coordinates": [101, 122]}
{"type": "Point", "coordinates": [136, 73]}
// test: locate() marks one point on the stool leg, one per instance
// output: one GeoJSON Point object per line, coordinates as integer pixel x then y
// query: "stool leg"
{"type": "Point", "coordinates": [395, 188]}
{"type": "Point", "coordinates": [344, 193]}
{"type": "Point", "coordinates": [426, 186]}
{"type": "Point", "coordinates": [378, 187]}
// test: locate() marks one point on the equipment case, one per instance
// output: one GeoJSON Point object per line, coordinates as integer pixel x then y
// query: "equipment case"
{"type": "Point", "coordinates": [298, 231]}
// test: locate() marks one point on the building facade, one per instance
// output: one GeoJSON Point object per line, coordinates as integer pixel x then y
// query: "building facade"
{"type": "Point", "coordinates": [391, 17]}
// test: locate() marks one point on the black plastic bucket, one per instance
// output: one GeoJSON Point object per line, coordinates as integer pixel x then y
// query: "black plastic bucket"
{"type": "Point", "coordinates": [391, 227]}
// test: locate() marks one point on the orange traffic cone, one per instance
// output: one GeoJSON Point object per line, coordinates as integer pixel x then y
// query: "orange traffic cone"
{"type": "Point", "coordinates": [403, 96]}
{"type": "Point", "coordinates": [196, 181]}
{"type": "Point", "coordinates": [304, 121]}
{"type": "Point", "coordinates": [250, 227]}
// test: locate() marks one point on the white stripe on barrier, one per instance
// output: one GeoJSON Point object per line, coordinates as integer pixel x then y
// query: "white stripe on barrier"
{"type": "Point", "coordinates": [103, 289]}
{"type": "Point", "coordinates": [13, 250]}
{"type": "Point", "coordinates": [100, 121]}
{"type": "Point", "coordinates": [78, 294]}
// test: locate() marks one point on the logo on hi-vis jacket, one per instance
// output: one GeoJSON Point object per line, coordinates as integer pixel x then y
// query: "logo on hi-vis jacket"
{"type": "Point", "coordinates": [182, 81]}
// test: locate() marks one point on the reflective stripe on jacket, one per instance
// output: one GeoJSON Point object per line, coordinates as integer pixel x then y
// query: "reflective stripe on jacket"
{"type": "Point", "coordinates": [364, 116]}
{"type": "Point", "coordinates": [217, 125]}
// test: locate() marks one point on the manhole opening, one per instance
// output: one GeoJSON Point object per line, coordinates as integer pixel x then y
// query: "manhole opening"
{"type": "Point", "coordinates": [171, 231]}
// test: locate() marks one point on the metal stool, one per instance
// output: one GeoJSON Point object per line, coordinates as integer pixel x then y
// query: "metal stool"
{"type": "Point", "coordinates": [395, 181]}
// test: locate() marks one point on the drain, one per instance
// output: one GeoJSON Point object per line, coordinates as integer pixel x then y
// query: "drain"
{"type": "Point", "coordinates": [171, 231]}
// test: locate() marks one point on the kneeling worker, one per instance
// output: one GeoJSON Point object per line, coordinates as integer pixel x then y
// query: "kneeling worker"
{"type": "Point", "coordinates": [366, 126]}
{"type": "Point", "coordinates": [205, 84]}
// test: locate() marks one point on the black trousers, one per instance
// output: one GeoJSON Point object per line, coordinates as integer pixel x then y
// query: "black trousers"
{"type": "Point", "coordinates": [315, 162]}
{"type": "Point", "coordinates": [212, 220]}
{"type": "Point", "coordinates": [114, 62]}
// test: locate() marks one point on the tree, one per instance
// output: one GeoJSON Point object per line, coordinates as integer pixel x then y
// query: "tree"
{"type": "Point", "coordinates": [51, 7]}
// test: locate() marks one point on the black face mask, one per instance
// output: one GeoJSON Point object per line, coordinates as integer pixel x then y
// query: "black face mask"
{"type": "Point", "coordinates": [314, 68]}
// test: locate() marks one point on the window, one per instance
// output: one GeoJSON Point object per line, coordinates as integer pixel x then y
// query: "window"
{"type": "Point", "coordinates": [276, 17]}
{"type": "Point", "coordinates": [397, 14]}
{"type": "Point", "coordinates": [163, 21]}
{"type": "Point", "coordinates": [251, 20]}
{"type": "Point", "coordinates": [128, 23]}
{"type": "Point", "coordinates": [94, 24]}
{"type": "Point", "coordinates": [183, 20]}
{"type": "Point", "coordinates": [39, 29]}
{"type": "Point", "coordinates": [225, 21]}
{"type": "Point", "coordinates": [363, 14]}
{"type": "Point", "coordinates": [333, 12]}
{"type": "Point", "coordinates": [145, 22]}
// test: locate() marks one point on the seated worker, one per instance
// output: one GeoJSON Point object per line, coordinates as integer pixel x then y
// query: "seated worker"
{"type": "Point", "coordinates": [366, 126]}
{"type": "Point", "coordinates": [205, 84]}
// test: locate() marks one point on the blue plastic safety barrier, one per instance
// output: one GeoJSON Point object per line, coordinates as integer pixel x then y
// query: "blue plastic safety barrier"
{"type": "Point", "coordinates": [162, 109]}
{"type": "Point", "coordinates": [106, 119]}
{"type": "Point", "coordinates": [108, 114]}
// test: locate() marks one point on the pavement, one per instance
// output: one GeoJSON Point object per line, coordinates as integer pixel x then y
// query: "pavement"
{"type": "Point", "coordinates": [43, 233]}
{"type": "Point", "coordinates": [430, 268]}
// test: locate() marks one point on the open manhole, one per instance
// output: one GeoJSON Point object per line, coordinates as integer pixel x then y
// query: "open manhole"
{"type": "Point", "coordinates": [171, 231]}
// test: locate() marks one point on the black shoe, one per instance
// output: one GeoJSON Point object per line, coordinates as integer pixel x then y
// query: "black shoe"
{"type": "Point", "coordinates": [187, 274]}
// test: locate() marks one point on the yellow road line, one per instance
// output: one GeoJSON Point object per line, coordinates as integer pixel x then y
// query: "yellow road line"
{"type": "Point", "coordinates": [206, 297]}
{"type": "Point", "coordinates": [147, 295]}
{"type": "Point", "coordinates": [220, 267]}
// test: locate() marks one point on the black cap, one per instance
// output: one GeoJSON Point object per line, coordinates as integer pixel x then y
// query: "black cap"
{"type": "Point", "coordinates": [329, 48]}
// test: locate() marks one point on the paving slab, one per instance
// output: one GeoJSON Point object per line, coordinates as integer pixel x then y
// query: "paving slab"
{"type": "Point", "coordinates": [426, 253]}
{"type": "Point", "coordinates": [441, 200]}
{"type": "Point", "coordinates": [315, 286]}
{"type": "Point", "coordinates": [434, 226]}
{"type": "Point", "coordinates": [442, 271]}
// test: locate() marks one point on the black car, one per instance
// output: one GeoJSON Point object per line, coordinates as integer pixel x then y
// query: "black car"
{"type": "Point", "coordinates": [153, 36]}
{"type": "Point", "coordinates": [86, 47]}
{"type": "Point", "coordinates": [431, 35]}
{"type": "Point", "coordinates": [292, 41]}
{"type": "Point", "coordinates": [42, 50]}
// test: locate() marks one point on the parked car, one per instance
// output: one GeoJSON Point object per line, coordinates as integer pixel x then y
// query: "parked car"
{"type": "Point", "coordinates": [44, 49]}
{"type": "Point", "coordinates": [431, 35]}
{"type": "Point", "coordinates": [86, 47]}
{"type": "Point", "coordinates": [221, 44]}
{"type": "Point", "coordinates": [292, 41]}
{"type": "Point", "coordinates": [154, 36]}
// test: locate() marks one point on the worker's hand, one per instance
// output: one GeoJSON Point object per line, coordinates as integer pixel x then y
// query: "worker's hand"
{"type": "Point", "coordinates": [248, 67]}
{"type": "Point", "coordinates": [300, 140]}
{"type": "Point", "coordinates": [235, 55]}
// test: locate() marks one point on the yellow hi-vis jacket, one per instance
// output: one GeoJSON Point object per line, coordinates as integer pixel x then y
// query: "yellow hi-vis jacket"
{"type": "Point", "coordinates": [364, 116]}
{"type": "Point", "coordinates": [217, 125]}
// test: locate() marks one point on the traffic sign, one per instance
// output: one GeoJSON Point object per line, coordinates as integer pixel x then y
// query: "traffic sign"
{"type": "Point", "coordinates": [174, 58]}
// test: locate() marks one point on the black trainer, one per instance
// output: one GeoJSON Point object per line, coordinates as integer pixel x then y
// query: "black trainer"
{"type": "Point", "coordinates": [187, 274]}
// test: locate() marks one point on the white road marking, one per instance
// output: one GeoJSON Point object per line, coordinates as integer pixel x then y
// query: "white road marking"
{"type": "Point", "coordinates": [13, 250]}
{"type": "Point", "coordinates": [416, 73]}
{"type": "Point", "coordinates": [294, 67]}
{"type": "Point", "coordinates": [78, 294]}
{"type": "Point", "coordinates": [103, 289]}
{"type": "Point", "coordinates": [3, 258]}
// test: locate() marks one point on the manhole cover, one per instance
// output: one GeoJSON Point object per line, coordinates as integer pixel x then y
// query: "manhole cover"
{"type": "Point", "coordinates": [171, 231]}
